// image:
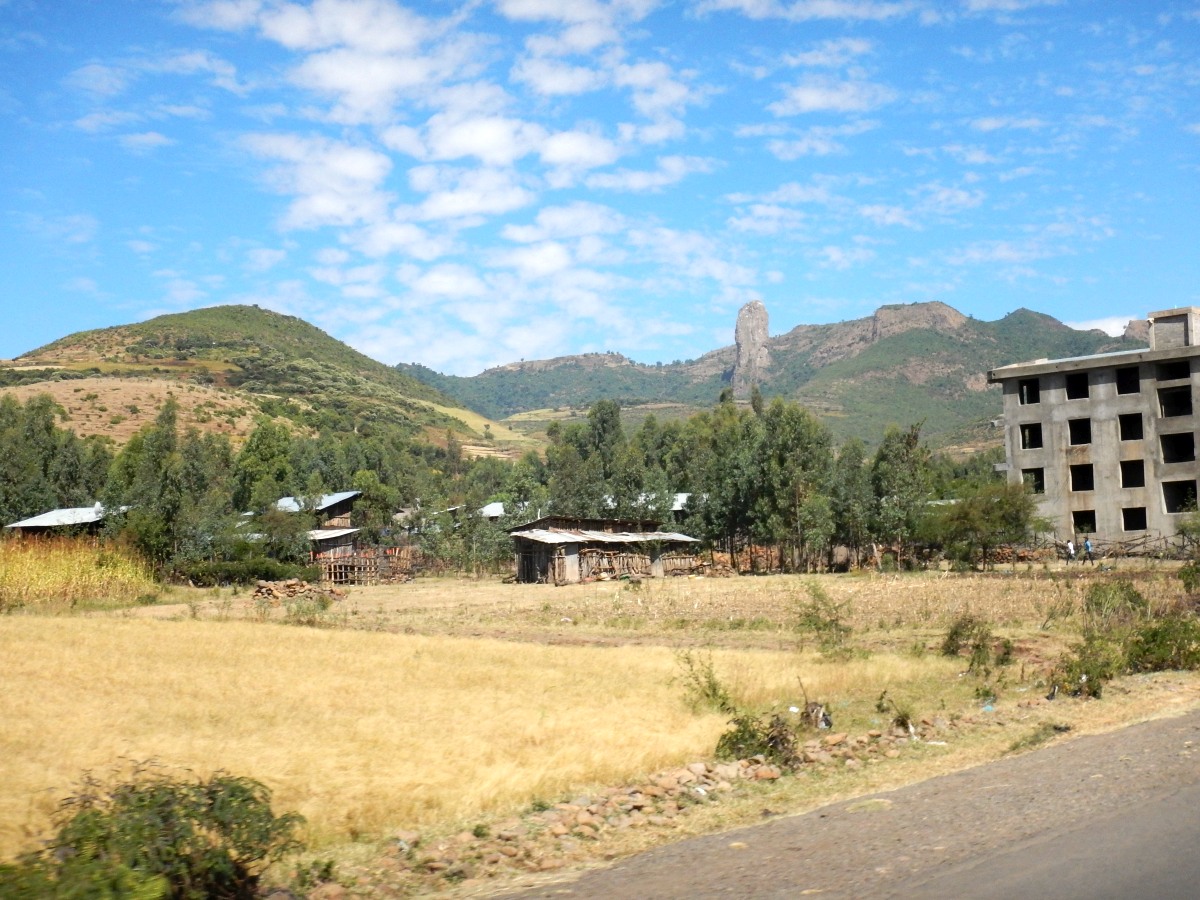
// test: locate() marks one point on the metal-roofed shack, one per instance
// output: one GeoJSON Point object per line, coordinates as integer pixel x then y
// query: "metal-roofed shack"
{"type": "Point", "coordinates": [566, 550]}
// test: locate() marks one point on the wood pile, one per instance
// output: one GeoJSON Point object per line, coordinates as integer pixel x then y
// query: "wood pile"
{"type": "Point", "coordinates": [292, 589]}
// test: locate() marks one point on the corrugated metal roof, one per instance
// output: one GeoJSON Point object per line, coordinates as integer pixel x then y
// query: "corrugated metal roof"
{"type": "Point", "coordinates": [565, 536]}
{"type": "Point", "coordinates": [77, 515]}
{"type": "Point", "coordinates": [328, 534]}
{"type": "Point", "coordinates": [292, 504]}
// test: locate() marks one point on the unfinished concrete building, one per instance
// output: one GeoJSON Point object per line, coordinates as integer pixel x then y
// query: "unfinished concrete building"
{"type": "Point", "coordinates": [1108, 442]}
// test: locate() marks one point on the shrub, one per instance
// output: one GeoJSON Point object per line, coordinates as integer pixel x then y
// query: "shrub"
{"type": "Point", "coordinates": [245, 571]}
{"type": "Point", "coordinates": [1083, 672]}
{"type": "Point", "coordinates": [1172, 642]}
{"type": "Point", "coordinates": [1108, 604]}
{"type": "Point", "coordinates": [821, 617]}
{"type": "Point", "coordinates": [701, 686]}
{"type": "Point", "coordinates": [154, 836]}
{"type": "Point", "coordinates": [975, 634]}
{"type": "Point", "coordinates": [749, 735]}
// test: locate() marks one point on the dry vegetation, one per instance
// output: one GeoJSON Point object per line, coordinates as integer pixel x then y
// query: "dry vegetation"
{"type": "Point", "coordinates": [443, 703]}
{"type": "Point", "coordinates": [117, 407]}
{"type": "Point", "coordinates": [59, 574]}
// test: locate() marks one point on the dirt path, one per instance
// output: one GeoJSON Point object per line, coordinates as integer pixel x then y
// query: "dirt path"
{"type": "Point", "coordinates": [905, 842]}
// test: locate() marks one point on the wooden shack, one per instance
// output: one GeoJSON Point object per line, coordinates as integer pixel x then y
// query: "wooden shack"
{"type": "Point", "coordinates": [568, 550]}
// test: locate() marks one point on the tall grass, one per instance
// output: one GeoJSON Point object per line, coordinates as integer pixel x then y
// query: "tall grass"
{"type": "Point", "coordinates": [363, 732]}
{"type": "Point", "coordinates": [69, 572]}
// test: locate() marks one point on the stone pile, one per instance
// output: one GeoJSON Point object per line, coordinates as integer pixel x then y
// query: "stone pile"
{"type": "Point", "coordinates": [292, 589]}
{"type": "Point", "coordinates": [551, 837]}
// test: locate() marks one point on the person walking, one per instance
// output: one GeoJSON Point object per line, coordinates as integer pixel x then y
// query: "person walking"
{"type": "Point", "coordinates": [1087, 550]}
{"type": "Point", "coordinates": [1070, 551]}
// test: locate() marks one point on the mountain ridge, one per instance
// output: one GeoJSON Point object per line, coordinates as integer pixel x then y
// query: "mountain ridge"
{"type": "Point", "coordinates": [915, 362]}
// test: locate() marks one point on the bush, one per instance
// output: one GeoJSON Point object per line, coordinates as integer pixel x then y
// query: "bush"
{"type": "Point", "coordinates": [153, 836]}
{"type": "Point", "coordinates": [1084, 671]}
{"type": "Point", "coordinates": [245, 571]}
{"type": "Point", "coordinates": [1172, 642]}
{"type": "Point", "coordinates": [975, 634]}
{"type": "Point", "coordinates": [748, 735]}
{"type": "Point", "coordinates": [701, 686]}
{"type": "Point", "coordinates": [822, 617]}
{"type": "Point", "coordinates": [1111, 603]}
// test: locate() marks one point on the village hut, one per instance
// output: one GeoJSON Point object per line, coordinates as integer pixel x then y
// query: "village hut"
{"type": "Point", "coordinates": [568, 550]}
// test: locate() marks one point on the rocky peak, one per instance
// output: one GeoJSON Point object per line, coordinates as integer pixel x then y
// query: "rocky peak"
{"type": "Point", "coordinates": [750, 335]}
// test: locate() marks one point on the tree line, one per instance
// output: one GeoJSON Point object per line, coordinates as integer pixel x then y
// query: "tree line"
{"type": "Point", "coordinates": [765, 473]}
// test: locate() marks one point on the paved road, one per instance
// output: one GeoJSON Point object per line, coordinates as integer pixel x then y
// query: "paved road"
{"type": "Point", "coordinates": [1108, 816]}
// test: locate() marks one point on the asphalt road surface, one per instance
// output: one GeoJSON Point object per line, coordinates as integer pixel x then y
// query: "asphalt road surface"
{"type": "Point", "coordinates": [1108, 816]}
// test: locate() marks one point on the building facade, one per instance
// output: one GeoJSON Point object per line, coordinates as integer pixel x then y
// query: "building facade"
{"type": "Point", "coordinates": [1108, 442]}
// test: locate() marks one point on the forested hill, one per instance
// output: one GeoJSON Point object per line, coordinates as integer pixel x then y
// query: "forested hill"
{"type": "Point", "coordinates": [237, 361]}
{"type": "Point", "coordinates": [923, 362]}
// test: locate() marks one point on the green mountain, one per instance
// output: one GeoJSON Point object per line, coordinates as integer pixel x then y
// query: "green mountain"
{"type": "Point", "coordinates": [280, 364]}
{"type": "Point", "coordinates": [923, 362]}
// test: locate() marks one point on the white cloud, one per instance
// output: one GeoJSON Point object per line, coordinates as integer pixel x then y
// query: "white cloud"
{"type": "Point", "coordinates": [1110, 325]}
{"type": "Point", "coordinates": [450, 281]}
{"type": "Point", "coordinates": [1005, 6]}
{"type": "Point", "coordinates": [944, 201]}
{"type": "Point", "coordinates": [882, 214]}
{"type": "Point", "coordinates": [493, 140]}
{"type": "Point", "coordinates": [141, 247]}
{"type": "Point", "coordinates": [105, 119]}
{"type": "Point", "coordinates": [333, 183]}
{"type": "Point", "coordinates": [807, 10]}
{"type": "Point", "coordinates": [819, 141]}
{"type": "Point", "coordinates": [79, 228]}
{"type": "Point", "coordinates": [551, 78]}
{"type": "Point", "coordinates": [996, 123]}
{"type": "Point", "coordinates": [844, 257]}
{"type": "Point", "coordinates": [99, 79]}
{"type": "Point", "coordinates": [373, 26]}
{"type": "Point", "coordinates": [578, 150]}
{"type": "Point", "coordinates": [224, 74]}
{"type": "Point", "coordinates": [572, 221]}
{"type": "Point", "coordinates": [145, 141]}
{"type": "Point", "coordinates": [226, 15]}
{"type": "Point", "coordinates": [830, 54]}
{"type": "Point", "coordinates": [767, 218]}
{"type": "Point", "coordinates": [826, 95]}
{"type": "Point", "coordinates": [536, 260]}
{"type": "Point", "coordinates": [671, 169]}
{"type": "Point", "coordinates": [458, 194]}
{"type": "Point", "coordinates": [261, 259]}
{"type": "Point", "coordinates": [386, 237]}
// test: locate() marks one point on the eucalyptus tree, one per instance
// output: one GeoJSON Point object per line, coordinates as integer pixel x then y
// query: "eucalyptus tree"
{"type": "Point", "coordinates": [900, 480]}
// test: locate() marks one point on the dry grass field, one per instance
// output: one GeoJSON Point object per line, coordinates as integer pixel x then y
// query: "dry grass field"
{"type": "Point", "coordinates": [442, 703]}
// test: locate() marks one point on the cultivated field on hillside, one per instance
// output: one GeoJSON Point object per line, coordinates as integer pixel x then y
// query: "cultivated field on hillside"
{"type": "Point", "coordinates": [443, 704]}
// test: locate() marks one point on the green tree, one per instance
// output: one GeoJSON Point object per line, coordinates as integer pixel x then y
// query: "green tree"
{"type": "Point", "coordinates": [263, 471]}
{"type": "Point", "coordinates": [900, 481]}
{"type": "Point", "coordinates": [988, 516]}
{"type": "Point", "coordinates": [851, 497]}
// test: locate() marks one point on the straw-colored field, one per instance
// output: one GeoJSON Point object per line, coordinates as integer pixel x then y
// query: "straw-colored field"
{"type": "Point", "coordinates": [365, 732]}
{"type": "Point", "coordinates": [441, 703]}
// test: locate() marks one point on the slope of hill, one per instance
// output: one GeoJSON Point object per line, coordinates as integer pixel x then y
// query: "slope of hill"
{"type": "Point", "coordinates": [906, 363]}
{"type": "Point", "coordinates": [238, 361]}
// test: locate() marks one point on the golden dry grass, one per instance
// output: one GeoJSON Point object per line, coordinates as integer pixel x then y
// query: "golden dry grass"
{"type": "Point", "coordinates": [407, 712]}
{"type": "Point", "coordinates": [364, 732]}
{"type": "Point", "coordinates": [62, 572]}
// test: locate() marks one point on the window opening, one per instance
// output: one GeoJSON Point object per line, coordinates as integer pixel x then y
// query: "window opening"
{"type": "Point", "coordinates": [1083, 477]}
{"type": "Point", "coordinates": [1077, 386]}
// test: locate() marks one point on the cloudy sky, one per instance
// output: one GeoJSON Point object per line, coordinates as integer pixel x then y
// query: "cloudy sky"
{"type": "Point", "coordinates": [464, 183]}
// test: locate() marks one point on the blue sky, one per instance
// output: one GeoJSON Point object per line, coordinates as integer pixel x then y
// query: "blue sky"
{"type": "Point", "coordinates": [465, 184]}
